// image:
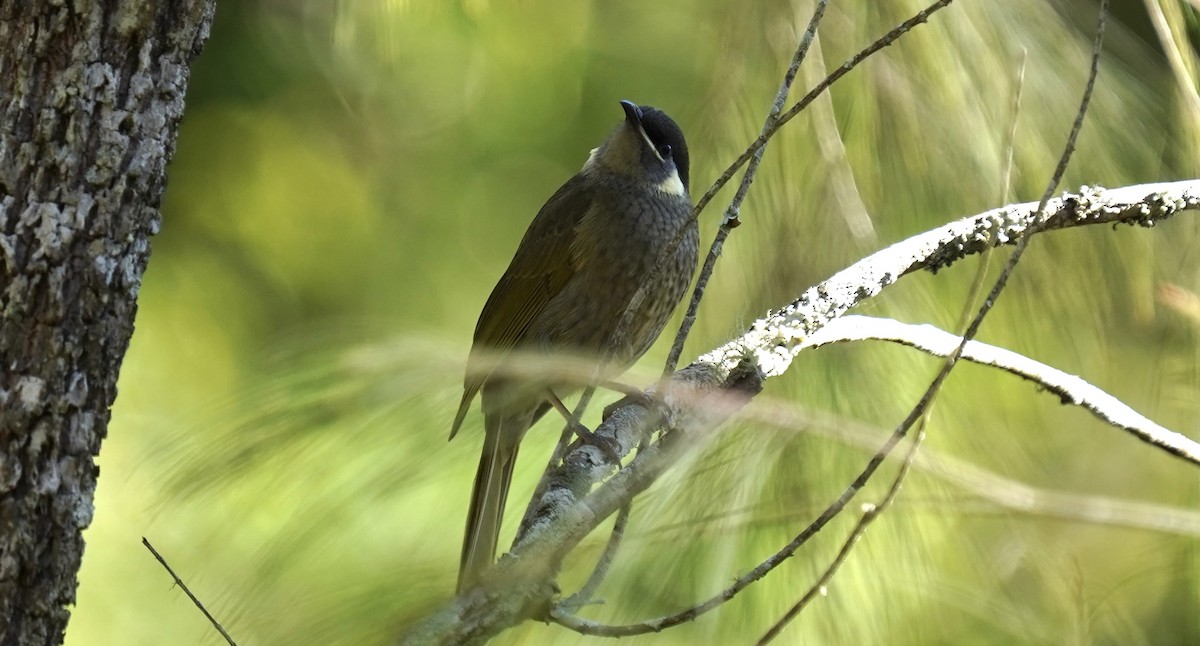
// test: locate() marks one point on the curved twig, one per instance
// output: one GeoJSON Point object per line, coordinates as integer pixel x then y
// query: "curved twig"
{"type": "Point", "coordinates": [1069, 388]}
{"type": "Point", "coordinates": [730, 221]}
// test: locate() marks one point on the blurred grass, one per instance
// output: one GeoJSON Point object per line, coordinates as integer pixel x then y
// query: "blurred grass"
{"type": "Point", "coordinates": [352, 178]}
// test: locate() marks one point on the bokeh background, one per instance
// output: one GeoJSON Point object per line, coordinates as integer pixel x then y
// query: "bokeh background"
{"type": "Point", "coordinates": [353, 176]}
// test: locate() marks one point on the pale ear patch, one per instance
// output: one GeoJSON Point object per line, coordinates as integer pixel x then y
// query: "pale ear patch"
{"type": "Point", "coordinates": [672, 185]}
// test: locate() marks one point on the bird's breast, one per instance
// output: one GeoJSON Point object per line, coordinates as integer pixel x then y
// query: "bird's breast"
{"type": "Point", "coordinates": [634, 252]}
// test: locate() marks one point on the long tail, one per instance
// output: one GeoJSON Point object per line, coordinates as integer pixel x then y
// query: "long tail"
{"type": "Point", "coordinates": [492, 480]}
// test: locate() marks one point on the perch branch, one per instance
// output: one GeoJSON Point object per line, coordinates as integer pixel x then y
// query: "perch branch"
{"type": "Point", "coordinates": [767, 349]}
{"type": "Point", "coordinates": [918, 410]}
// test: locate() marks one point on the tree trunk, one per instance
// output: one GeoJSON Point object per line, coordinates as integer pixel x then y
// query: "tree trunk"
{"type": "Point", "coordinates": [90, 99]}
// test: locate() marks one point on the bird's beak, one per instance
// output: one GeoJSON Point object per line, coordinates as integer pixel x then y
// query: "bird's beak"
{"type": "Point", "coordinates": [633, 118]}
{"type": "Point", "coordinates": [633, 114]}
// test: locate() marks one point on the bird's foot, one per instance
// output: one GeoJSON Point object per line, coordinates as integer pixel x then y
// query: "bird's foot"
{"type": "Point", "coordinates": [606, 445]}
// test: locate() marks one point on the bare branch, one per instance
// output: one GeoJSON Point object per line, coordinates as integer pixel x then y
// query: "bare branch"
{"type": "Point", "coordinates": [1069, 388]}
{"type": "Point", "coordinates": [585, 593]}
{"type": "Point", "coordinates": [920, 18]}
{"type": "Point", "coordinates": [183, 586]}
{"type": "Point", "coordinates": [773, 341]}
{"type": "Point", "coordinates": [871, 513]}
{"type": "Point", "coordinates": [730, 221]}
{"type": "Point", "coordinates": [520, 584]}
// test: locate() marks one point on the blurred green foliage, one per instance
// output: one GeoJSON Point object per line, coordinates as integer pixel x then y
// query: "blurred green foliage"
{"type": "Point", "coordinates": [353, 176]}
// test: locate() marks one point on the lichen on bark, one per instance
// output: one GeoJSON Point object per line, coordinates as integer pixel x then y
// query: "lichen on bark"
{"type": "Point", "coordinates": [91, 95]}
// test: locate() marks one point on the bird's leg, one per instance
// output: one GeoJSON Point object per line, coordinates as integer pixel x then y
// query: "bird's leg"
{"type": "Point", "coordinates": [562, 409]}
{"type": "Point", "coordinates": [608, 447]}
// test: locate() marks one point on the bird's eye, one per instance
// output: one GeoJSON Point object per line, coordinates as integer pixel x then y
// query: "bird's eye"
{"type": "Point", "coordinates": [664, 150]}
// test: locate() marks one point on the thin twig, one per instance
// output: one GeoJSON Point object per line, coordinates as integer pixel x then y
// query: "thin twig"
{"type": "Point", "coordinates": [1005, 186]}
{"type": "Point", "coordinates": [835, 508]}
{"type": "Point", "coordinates": [585, 593]}
{"type": "Point", "coordinates": [871, 513]}
{"type": "Point", "coordinates": [852, 62]}
{"type": "Point", "coordinates": [731, 221]}
{"type": "Point", "coordinates": [1051, 187]}
{"type": "Point", "coordinates": [179, 582]}
{"type": "Point", "coordinates": [970, 333]}
{"type": "Point", "coordinates": [989, 486]}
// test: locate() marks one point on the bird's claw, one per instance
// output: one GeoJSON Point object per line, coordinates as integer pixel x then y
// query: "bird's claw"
{"type": "Point", "coordinates": [606, 445]}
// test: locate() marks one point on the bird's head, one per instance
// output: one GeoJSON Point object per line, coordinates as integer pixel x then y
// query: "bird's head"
{"type": "Point", "coordinates": [647, 146]}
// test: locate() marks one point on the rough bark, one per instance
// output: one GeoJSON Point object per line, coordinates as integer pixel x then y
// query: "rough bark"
{"type": "Point", "coordinates": [91, 95]}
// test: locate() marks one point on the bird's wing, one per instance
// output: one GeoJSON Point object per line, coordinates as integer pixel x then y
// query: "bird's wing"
{"type": "Point", "coordinates": [541, 267]}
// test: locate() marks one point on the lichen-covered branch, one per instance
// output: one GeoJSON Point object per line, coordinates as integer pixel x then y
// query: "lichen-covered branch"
{"type": "Point", "coordinates": [773, 341]}
{"type": "Point", "coordinates": [520, 585]}
{"type": "Point", "coordinates": [702, 395]}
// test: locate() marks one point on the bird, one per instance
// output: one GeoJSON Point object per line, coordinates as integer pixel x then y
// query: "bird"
{"type": "Point", "coordinates": [622, 223]}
